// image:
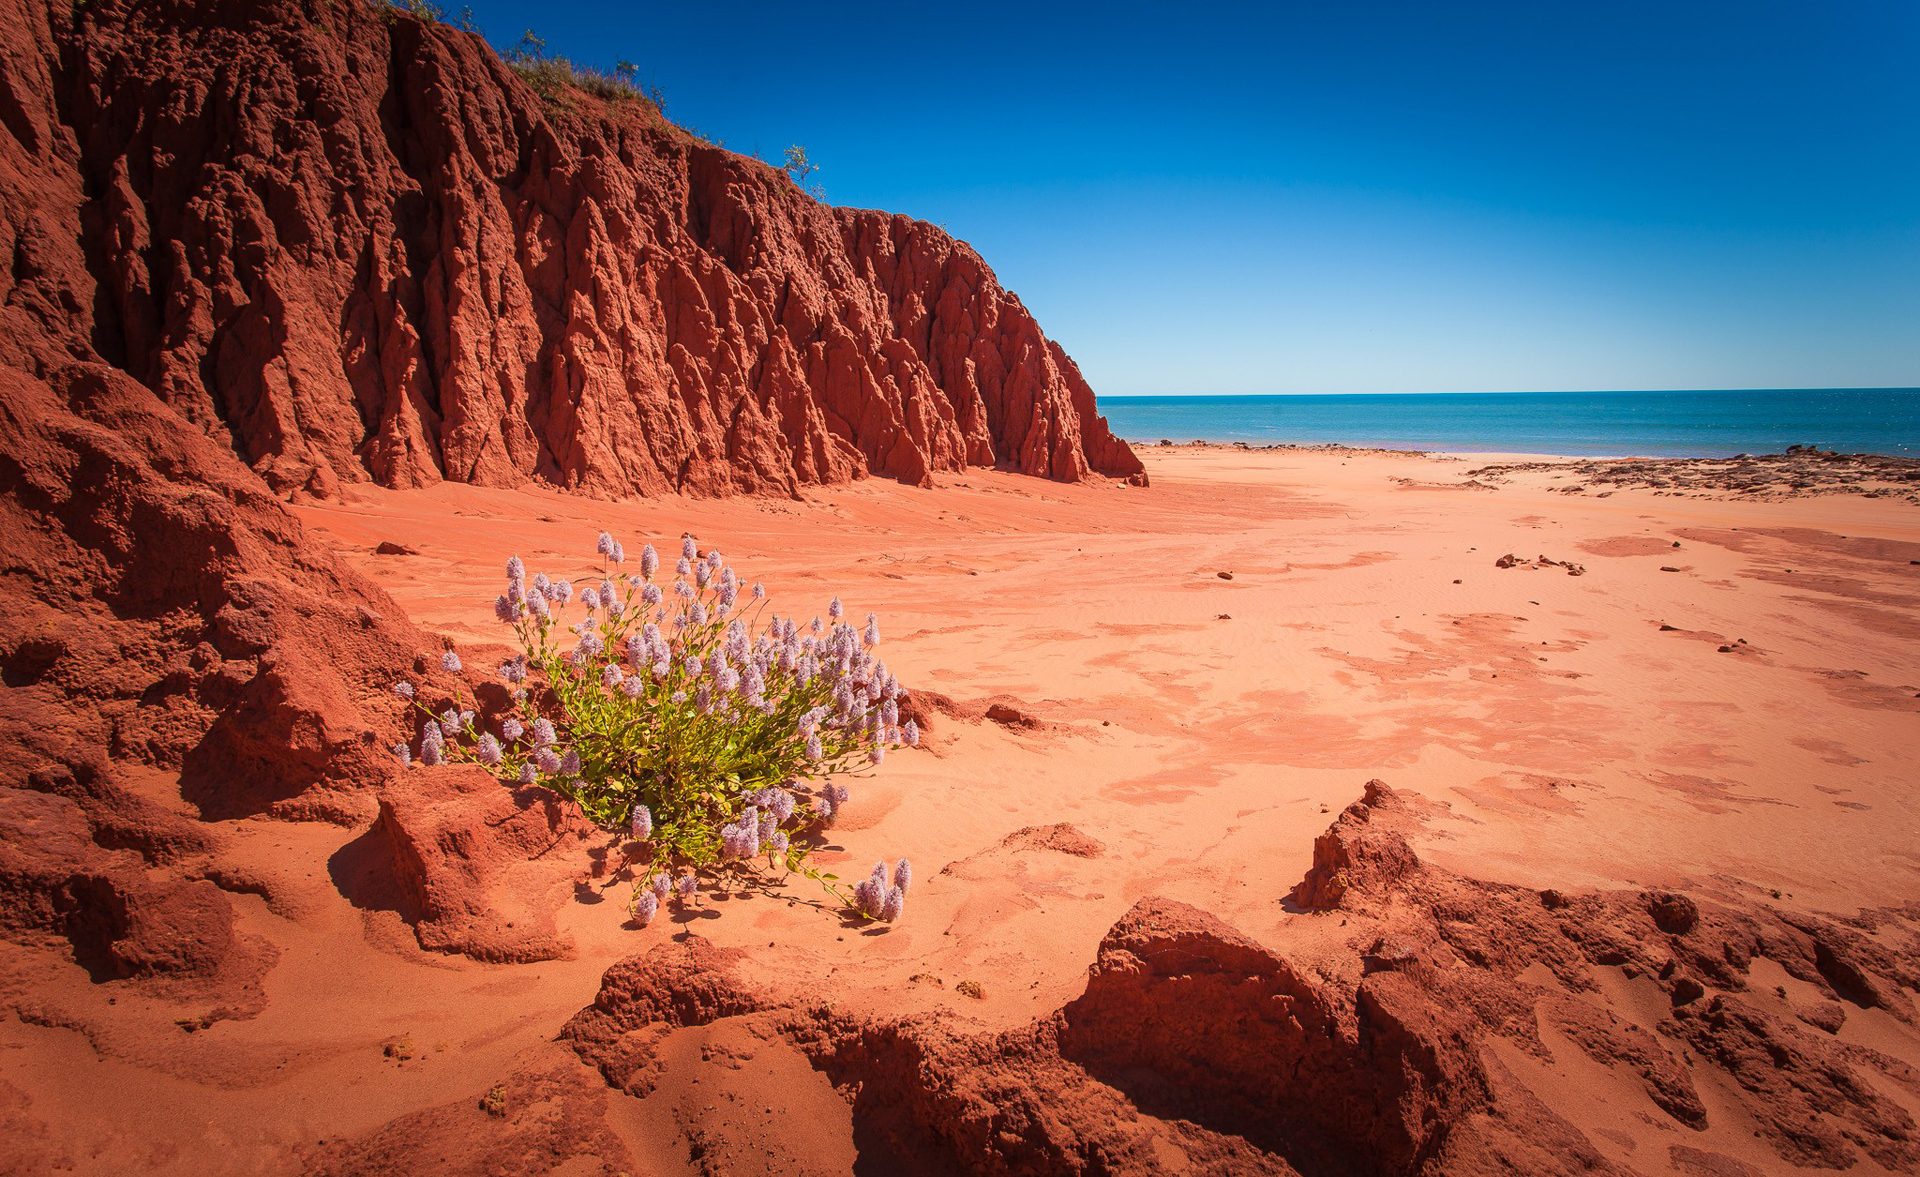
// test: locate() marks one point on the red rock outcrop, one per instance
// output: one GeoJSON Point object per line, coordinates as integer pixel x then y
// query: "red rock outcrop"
{"type": "Point", "coordinates": [355, 245]}
{"type": "Point", "coordinates": [533, 1121]}
{"type": "Point", "coordinates": [1350, 850]}
{"type": "Point", "coordinates": [1376, 1047]}
{"type": "Point", "coordinates": [473, 866]}
{"type": "Point", "coordinates": [119, 921]}
{"type": "Point", "coordinates": [1817, 1101]}
{"type": "Point", "coordinates": [168, 611]}
{"type": "Point", "coordinates": [1388, 1073]}
{"type": "Point", "coordinates": [928, 1096]}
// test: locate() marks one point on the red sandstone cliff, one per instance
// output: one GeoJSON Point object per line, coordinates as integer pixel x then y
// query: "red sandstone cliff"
{"type": "Point", "coordinates": [360, 247]}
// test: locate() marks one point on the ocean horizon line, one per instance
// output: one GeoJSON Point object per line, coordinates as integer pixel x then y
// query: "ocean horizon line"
{"type": "Point", "coordinates": [1712, 422]}
{"type": "Point", "coordinates": [1138, 396]}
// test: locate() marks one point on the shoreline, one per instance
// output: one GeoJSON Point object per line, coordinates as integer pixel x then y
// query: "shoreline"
{"type": "Point", "coordinates": [1801, 471]}
{"type": "Point", "coordinates": [1531, 455]}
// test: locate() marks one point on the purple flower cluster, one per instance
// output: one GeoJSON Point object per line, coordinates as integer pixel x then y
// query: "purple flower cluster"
{"type": "Point", "coordinates": [741, 839]}
{"type": "Point", "coordinates": [682, 676]}
{"type": "Point", "coordinates": [828, 803]}
{"type": "Point", "coordinates": [538, 597]}
{"type": "Point", "coordinates": [866, 696]}
{"type": "Point", "coordinates": [778, 802]}
{"type": "Point", "coordinates": [874, 898]}
{"type": "Point", "coordinates": [433, 744]}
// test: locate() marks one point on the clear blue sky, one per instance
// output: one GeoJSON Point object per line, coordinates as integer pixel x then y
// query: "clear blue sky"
{"type": "Point", "coordinates": [1358, 197]}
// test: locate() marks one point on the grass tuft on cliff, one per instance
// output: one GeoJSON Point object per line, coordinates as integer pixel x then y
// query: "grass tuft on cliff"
{"type": "Point", "coordinates": [551, 76]}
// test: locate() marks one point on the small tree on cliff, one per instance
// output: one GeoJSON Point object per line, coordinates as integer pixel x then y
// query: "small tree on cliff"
{"type": "Point", "coordinates": [800, 168]}
{"type": "Point", "coordinates": [532, 48]}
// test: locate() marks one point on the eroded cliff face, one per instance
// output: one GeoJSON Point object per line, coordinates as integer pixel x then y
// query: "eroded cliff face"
{"type": "Point", "coordinates": [360, 247]}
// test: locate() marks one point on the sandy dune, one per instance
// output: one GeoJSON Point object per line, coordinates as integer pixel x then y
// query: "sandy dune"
{"type": "Point", "coordinates": [1197, 678]}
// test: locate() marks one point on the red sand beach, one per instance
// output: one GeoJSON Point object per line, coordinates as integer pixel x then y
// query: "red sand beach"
{"type": "Point", "coordinates": [1188, 684]}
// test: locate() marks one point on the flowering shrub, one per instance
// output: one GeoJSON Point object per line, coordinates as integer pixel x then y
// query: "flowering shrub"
{"type": "Point", "coordinates": [678, 717]}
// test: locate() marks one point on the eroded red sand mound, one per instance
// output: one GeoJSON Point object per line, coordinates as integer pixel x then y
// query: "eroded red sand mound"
{"type": "Point", "coordinates": [532, 1122]}
{"type": "Point", "coordinates": [469, 863]}
{"type": "Point", "coordinates": [162, 614]}
{"type": "Point", "coordinates": [1376, 1049]}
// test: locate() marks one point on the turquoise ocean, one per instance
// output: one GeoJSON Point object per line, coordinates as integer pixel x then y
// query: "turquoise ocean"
{"type": "Point", "coordinates": [1696, 423]}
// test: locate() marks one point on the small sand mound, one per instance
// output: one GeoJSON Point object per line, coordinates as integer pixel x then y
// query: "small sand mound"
{"type": "Point", "coordinates": [1060, 836]}
{"type": "Point", "coordinates": [1627, 545]}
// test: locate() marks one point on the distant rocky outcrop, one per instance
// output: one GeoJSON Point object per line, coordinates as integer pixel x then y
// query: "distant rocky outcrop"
{"type": "Point", "coordinates": [358, 246]}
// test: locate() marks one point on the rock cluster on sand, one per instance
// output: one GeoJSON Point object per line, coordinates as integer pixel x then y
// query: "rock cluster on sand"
{"type": "Point", "coordinates": [1510, 560]}
{"type": "Point", "coordinates": [1801, 471]}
